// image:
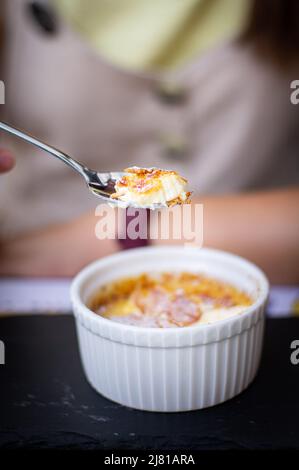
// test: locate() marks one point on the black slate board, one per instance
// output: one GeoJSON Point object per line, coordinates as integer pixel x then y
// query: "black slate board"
{"type": "Point", "coordinates": [45, 401]}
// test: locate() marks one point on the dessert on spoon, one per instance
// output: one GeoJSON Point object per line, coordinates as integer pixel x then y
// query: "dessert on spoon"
{"type": "Point", "coordinates": [151, 188]}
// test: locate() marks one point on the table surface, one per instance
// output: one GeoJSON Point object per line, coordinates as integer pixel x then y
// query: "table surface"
{"type": "Point", "coordinates": [45, 401]}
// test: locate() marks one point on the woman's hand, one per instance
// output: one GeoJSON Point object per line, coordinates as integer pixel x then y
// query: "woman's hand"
{"type": "Point", "coordinates": [6, 160]}
{"type": "Point", "coordinates": [261, 226]}
{"type": "Point", "coordinates": [59, 250]}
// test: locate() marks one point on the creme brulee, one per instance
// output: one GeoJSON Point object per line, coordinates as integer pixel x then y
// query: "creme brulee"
{"type": "Point", "coordinates": [168, 300]}
{"type": "Point", "coordinates": [148, 187]}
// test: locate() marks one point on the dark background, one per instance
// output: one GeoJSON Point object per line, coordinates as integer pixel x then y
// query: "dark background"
{"type": "Point", "coordinates": [45, 401]}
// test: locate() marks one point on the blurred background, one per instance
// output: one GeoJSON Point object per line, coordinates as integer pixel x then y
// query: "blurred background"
{"type": "Point", "coordinates": [200, 86]}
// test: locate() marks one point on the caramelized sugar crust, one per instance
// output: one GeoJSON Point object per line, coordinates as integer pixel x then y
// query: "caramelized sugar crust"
{"type": "Point", "coordinates": [165, 300]}
{"type": "Point", "coordinates": [146, 179]}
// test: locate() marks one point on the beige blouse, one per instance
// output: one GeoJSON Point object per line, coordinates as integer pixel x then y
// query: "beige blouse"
{"type": "Point", "coordinates": [225, 121]}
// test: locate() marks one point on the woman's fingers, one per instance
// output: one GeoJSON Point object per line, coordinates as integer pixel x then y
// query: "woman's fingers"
{"type": "Point", "coordinates": [7, 160]}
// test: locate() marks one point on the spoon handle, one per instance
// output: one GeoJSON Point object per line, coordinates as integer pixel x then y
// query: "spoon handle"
{"type": "Point", "coordinates": [53, 151]}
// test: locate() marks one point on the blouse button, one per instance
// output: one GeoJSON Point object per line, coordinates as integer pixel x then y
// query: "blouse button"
{"type": "Point", "coordinates": [174, 147]}
{"type": "Point", "coordinates": [44, 16]}
{"type": "Point", "coordinates": [171, 93]}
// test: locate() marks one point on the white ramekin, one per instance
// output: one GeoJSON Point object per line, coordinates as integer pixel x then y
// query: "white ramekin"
{"type": "Point", "coordinates": [175, 369]}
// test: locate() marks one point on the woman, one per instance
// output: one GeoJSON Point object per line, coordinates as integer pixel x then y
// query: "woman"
{"type": "Point", "coordinates": [205, 92]}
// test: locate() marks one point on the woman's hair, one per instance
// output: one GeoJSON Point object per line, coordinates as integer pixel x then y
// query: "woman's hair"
{"type": "Point", "coordinates": [273, 29]}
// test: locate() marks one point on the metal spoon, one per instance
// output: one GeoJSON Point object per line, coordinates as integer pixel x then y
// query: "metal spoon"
{"type": "Point", "coordinates": [100, 184]}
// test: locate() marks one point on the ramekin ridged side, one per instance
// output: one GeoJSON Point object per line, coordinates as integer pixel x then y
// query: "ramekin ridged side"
{"type": "Point", "coordinates": [170, 369]}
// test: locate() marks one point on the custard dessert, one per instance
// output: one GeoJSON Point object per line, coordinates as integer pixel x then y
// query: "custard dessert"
{"type": "Point", "coordinates": [148, 187]}
{"type": "Point", "coordinates": [168, 300]}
